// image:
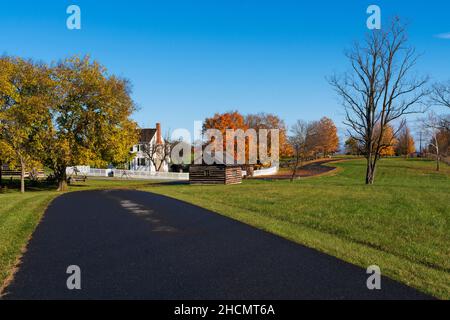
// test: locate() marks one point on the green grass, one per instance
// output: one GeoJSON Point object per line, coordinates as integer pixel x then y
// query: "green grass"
{"type": "Point", "coordinates": [402, 223]}
{"type": "Point", "coordinates": [19, 215]}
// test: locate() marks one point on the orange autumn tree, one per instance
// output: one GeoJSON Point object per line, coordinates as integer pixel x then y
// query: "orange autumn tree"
{"type": "Point", "coordinates": [329, 137]}
{"type": "Point", "coordinates": [234, 120]}
{"type": "Point", "coordinates": [271, 121]}
{"type": "Point", "coordinates": [224, 121]}
{"type": "Point", "coordinates": [324, 139]}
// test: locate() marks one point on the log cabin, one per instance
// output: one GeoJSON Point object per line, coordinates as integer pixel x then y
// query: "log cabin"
{"type": "Point", "coordinates": [223, 170]}
{"type": "Point", "coordinates": [215, 174]}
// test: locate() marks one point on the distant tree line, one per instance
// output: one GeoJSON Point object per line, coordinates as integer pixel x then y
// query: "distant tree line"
{"type": "Point", "coordinates": [398, 142]}
{"type": "Point", "coordinates": [305, 140]}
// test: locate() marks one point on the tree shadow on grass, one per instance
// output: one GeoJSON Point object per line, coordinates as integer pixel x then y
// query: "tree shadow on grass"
{"type": "Point", "coordinates": [171, 183]}
{"type": "Point", "coordinates": [13, 185]}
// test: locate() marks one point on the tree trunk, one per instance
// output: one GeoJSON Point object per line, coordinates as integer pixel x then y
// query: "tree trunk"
{"type": "Point", "coordinates": [436, 141]}
{"type": "Point", "coordinates": [22, 177]}
{"type": "Point", "coordinates": [370, 173]}
{"type": "Point", "coordinates": [158, 169]}
{"type": "Point", "coordinates": [62, 180]}
{"type": "Point", "coordinates": [1, 174]}
{"type": "Point", "coordinates": [294, 172]}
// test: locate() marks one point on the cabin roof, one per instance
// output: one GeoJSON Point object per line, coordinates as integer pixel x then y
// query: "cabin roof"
{"type": "Point", "coordinates": [227, 160]}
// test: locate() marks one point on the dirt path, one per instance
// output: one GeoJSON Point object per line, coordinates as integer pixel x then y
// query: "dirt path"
{"type": "Point", "coordinates": [309, 170]}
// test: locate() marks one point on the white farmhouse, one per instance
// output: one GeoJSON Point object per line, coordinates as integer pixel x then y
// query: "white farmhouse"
{"type": "Point", "coordinates": [150, 152]}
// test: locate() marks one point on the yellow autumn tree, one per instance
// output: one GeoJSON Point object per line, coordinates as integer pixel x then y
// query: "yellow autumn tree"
{"type": "Point", "coordinates": [91, 122]}
{"type": "Point", "coordinates": [405, 144]}
{"type": "Point", "coordinates": [6, 157]}
{"type": "Point", "coordinates": [6, 90]}
{"type": "Point", "coordinates": [388, 141]}
{"type": "Point", "coordinates": [24, 114]}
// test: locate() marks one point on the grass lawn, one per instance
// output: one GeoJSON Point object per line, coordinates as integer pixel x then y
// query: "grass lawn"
{"type": "Point", "coordinates": [402, 223]}
{"type": "Point", "coordinates": [19, 215]}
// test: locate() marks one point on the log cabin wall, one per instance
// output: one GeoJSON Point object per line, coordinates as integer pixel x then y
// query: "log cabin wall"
{"type": "Point", "coordinates": [233, 175]}
{"type": "Point", "coordinates": [215, 174]}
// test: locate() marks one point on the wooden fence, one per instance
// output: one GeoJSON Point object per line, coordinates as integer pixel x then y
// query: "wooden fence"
{"type": "Point", "coordinates": [18, 173]}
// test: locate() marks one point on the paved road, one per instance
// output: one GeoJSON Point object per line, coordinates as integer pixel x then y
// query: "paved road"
{"type": "Point", "coordinates": [136, 245]}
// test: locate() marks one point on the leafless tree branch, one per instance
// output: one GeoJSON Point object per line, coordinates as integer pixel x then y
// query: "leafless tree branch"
{"type": "Point", "coordinates": [379, 89]}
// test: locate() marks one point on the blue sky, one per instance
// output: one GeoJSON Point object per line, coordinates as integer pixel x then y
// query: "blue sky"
{"type": "Point", "coordinates": [190, 59]}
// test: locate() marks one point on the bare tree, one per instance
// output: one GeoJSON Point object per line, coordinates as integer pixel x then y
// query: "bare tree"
{"type": "Point", "coordinates": [441, 96]}
{"type": "Point", "coordinates": [300, 134]}
{"type": "Point", "coordinates": [157, 153]}
{"type": "Point", "coordinates": [379, 89]}
{"type": "Point", "coordinates": [431, 126]}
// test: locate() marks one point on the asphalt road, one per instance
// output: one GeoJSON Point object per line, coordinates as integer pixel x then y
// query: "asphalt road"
{"type": "Point", "coordinates": [136, 245]}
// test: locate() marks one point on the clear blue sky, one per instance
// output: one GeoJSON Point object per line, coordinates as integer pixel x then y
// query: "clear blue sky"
{"type": "Point", "coordinates": [190, 59]}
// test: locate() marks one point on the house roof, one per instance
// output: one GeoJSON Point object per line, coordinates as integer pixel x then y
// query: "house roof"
{"type": "Point", "coordinates": [146, 135]}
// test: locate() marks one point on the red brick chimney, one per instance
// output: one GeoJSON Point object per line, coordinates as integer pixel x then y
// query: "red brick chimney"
{"type": "Point", "coordinates": [158, 134]}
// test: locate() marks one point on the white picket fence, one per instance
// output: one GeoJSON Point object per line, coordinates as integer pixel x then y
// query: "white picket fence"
{"type": "Point", "coordinates": [93, 172]}
{"type": "Point", "coordinates": [127, 174]}
{"type": "Point", "coordinates": [82, 170]}
{"type": "Point", "coordinates": [265, 172]}
{"type": "Point", "coordinates": [133, 174]}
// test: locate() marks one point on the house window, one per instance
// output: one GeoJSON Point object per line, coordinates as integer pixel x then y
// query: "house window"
{"type": "Point", "coordinates": [141, 161]}
{"type": "Point", "coordinates": [138, 147]}
{"type": "Point", "coordinates": [206, 173]}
